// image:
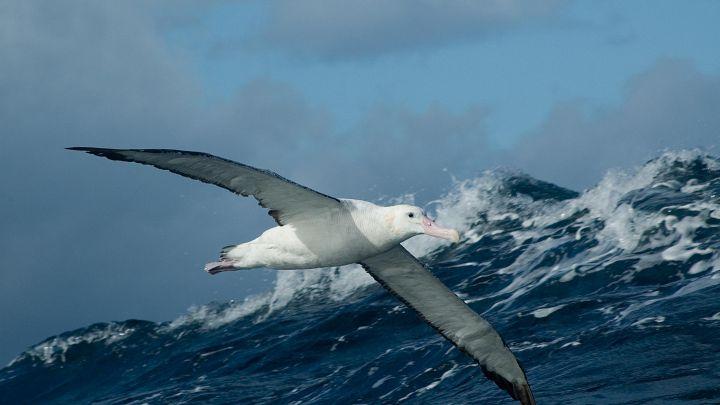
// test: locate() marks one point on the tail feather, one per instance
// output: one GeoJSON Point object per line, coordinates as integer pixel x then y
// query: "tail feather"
{"type": "Point", "coordinates": [224, 251]}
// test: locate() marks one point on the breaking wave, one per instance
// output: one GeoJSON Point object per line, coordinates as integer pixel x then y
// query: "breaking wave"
{"type": "Point", "coordinates": [606, 296]}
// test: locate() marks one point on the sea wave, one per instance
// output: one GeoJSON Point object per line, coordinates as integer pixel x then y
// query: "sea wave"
{"type": "Point", "coordinates": [608, 295]}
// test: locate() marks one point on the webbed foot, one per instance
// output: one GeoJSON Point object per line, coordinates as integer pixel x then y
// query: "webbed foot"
{"type": "Point", "coordinates": [218, 267]}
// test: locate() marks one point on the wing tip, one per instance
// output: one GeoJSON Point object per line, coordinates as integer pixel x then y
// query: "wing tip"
{"type": "Point", "coordinates": [524, 394]}
{"type": "Point", "coordinates": [519, 391]}
{"type": "Point", "coordinates": [517, 387]}
{"type": "Point", "coordinates": [85, 148]}
{"type": "Point", "coordinates": [112, 154]}
{"type": "Point", "coordinates": [79, 148]}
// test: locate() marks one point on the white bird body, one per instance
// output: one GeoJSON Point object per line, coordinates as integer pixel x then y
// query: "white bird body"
{"type": "Point", "coordinates": [348, 234]}
{"type": "Point", "coordinates": [317, 230]}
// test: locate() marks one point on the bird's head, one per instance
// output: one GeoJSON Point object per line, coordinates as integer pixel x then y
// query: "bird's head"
{"type": "Point", "coordinates": [408, 221]}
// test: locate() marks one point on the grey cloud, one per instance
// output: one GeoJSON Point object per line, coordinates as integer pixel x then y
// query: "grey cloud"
{"type": "Point", "coordinates": [270, 119]}
{"type": "Point", "coordinates": [671, 105]}
{"type": "Point", "coordinates": [86, 240]}
{"type": "Point", "coordinates": [331, 29]}
{"type": "Point", "coordinates": [78, 72]}
{"type": "Point", "coordinates": [402, 151]}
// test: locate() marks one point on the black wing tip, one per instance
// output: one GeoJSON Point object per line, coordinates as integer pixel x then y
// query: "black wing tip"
{"type": "Point", "coordinates": [116, 154]}
{"type": "Point", "coordinates": [112, 154]}
{"type": "Point", "coordinates": [82, 148]}
{"type": "Point", "coordinates": [524, 394]}
{"type": "Point", "coordinates": [90, 149]}
{"type": "Point", "coordinates": [519, 391]}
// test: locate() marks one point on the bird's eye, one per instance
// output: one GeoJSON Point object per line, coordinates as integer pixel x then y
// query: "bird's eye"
{"type": "Point", "coordinates": [411, 215]}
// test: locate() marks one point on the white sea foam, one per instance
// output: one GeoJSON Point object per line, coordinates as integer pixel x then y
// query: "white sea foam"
{"type": "Point", "coordinates": [649, 321]}
{"type": "Point", "coordinates": [56, 348]}
{"type": "Point", "coordinates": [381, 381]}
{"type": "Point", "coordinates": [684, 248]}
{"type": "Point", "coordinates": [544, 312]}
{"type": "Point", "coordinates": [570, 344]}
{"type": "Point", "coordinates": [334, 283]}
{"type": "Point", "coordinates": [527, 345]}
{"type": "Point", "coordinates": [715, 317]}
{"type": "Point", "coordinates": [694, 286]}
{"type": "Point", "coordinates": [447, 374]}
{"type": "Point", "coordinates": [624, 230]}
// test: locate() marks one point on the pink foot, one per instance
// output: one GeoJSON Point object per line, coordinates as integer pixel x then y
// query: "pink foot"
{"type": "Point", "coordinates": [217, 267]}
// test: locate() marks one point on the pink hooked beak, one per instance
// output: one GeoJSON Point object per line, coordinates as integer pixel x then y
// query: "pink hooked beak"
{"type": "Point", "coordinates": [430, 228]}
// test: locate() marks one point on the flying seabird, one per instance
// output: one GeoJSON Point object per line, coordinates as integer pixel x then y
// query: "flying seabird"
{"type": "Point", "coordinates": [315, 230]}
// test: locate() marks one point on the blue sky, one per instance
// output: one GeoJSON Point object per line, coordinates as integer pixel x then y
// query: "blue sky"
{"type": "Point", "coordinates": [356, 99]}
{"type": "Point", "coordinates": [589, 51]}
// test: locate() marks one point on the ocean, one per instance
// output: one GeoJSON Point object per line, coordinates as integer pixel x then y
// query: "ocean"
{"type": "Point", "coordinates": [606, 296]}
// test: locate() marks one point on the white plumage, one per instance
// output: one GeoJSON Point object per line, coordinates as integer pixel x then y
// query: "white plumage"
{"type": "Point", "coordinates": [342, 234]}
{"type": "Point", "coordinates": [316, 230]}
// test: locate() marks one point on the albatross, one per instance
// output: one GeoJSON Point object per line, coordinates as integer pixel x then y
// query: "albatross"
{"type": "Point", "coordinates": [316, 230]}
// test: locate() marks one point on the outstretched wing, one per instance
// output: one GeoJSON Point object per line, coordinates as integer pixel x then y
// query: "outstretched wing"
{"type": "Point", "coordinates": [408, 279]}
{"type": "Point", "coordinates": [286, 200]}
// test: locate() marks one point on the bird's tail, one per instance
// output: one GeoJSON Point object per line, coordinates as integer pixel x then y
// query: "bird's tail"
{"type": "Point", "coordinates": [241, 256]}
{"type": "Point", "coordinates": [225, 251]}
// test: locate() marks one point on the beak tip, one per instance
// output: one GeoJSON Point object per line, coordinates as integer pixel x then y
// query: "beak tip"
{"type": "Point", "coordinates": [444, 233]}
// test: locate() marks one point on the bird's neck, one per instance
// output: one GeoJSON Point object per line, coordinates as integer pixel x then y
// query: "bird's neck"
{"type": "Point", "coordinates": [376, 224]}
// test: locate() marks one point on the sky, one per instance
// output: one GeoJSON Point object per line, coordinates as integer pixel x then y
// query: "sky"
{"type": "Point", "coordinates": [363, 99]}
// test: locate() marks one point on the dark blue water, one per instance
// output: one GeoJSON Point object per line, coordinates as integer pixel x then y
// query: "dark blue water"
{"type": "Point", "coordinates": [611, 296]}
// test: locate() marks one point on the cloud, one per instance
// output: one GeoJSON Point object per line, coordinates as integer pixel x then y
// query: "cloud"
{"type": "Point", "coordinates": [400, 150]}
{"type": "Point", "coordinates": [79, 72]}
{"type": "Point", "coordinates": [85, 240]}
{"type": "Point", "coordinates": [344, 29]}
{"type": "Point", "coordinates": [671, 105]}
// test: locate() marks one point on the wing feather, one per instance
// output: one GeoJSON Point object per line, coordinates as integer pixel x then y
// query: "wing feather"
{"type": "Point", "coordinates": [408, 279]}
{"type": "Point", "coordinates": [286, 201]}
